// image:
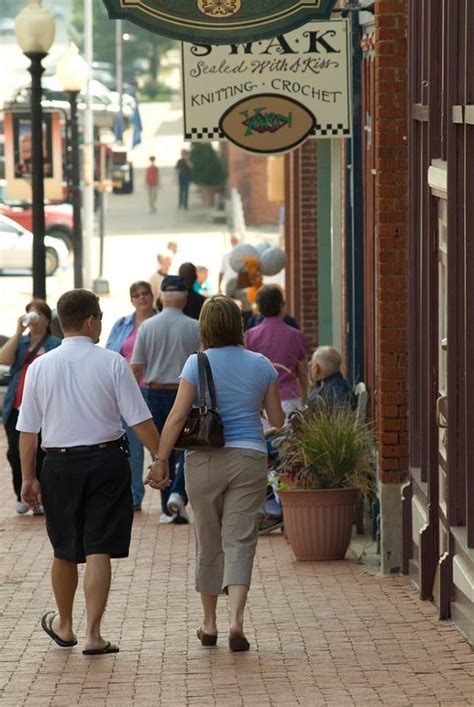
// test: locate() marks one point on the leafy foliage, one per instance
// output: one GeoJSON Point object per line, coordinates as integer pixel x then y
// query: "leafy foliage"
{"type": "Point", "coordinates": [141, 45]}
{"type": "Point", "coordinates": [208, 169]}
{"type": "Point", "coordinates": [327, 448]}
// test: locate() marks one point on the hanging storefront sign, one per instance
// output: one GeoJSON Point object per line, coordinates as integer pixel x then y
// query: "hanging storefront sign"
{"type": "Point", "coordinates": [269, 96]}
{"type": "Point", "coordinates": [18, 156]}
{"type": "Point", "coordinates": [219, 21]}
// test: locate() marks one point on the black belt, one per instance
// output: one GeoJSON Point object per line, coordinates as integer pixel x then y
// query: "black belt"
{"type": "Point", "coordinates": [84, 448]}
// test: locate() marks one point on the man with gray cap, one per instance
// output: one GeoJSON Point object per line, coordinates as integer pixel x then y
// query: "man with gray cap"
{"type": "Point", "coordinates": [163, 345]}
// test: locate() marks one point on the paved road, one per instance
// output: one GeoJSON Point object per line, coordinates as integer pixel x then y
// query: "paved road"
{"type": "Point", "coordinates": [321, 633]}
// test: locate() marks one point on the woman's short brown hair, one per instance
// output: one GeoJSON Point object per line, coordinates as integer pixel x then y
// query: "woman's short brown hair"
{"type": "Point", "coordinates": [39, 305]}
{"type": "Point", "coordinates": [140, 285]}
{"type": "Point", "coordinates": [220, 323]}
{"type": "Point", "coordinates": [75, 306]}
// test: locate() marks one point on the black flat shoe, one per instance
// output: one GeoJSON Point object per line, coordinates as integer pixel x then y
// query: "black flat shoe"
{"type": "Point", "coordinates": [238, 643]}
{"type": "Point", "coordinates": [206, 639]}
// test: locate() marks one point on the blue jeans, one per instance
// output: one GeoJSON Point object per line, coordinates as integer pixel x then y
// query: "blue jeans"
{"type": "Point", "coordinates": [160, 403]}
{"type": "Point", "coordinates": [135, 460]}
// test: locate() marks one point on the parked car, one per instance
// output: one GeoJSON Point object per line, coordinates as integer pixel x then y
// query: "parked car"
{"type": "Point", "coordinates": [58, 217]}
{"type": "Point", "coordinates": [105, 104]}
{"type": "Point", "coordinates": [16, 248]}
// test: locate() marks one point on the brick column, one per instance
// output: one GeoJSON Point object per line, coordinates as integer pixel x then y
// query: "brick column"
{"type": "Point", "coordinates": [301, 237]}
{"type": "Point", "coordinates": [391, 219]}
{"type": "Point", "coordinates": [248, 173]}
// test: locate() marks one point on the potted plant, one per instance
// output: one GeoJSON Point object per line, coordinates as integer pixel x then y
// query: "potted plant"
{"type": "Point", "coordinates": [325, 461]}
{"type": "Point", "coordinates": [207, 170]}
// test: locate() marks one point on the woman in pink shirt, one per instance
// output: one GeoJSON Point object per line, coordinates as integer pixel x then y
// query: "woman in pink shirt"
{"type": "Point", "coordinates": [122, 339]}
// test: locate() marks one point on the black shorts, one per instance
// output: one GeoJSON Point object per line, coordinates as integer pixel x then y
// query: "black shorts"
{"type": "Point", "coordinates": [88, 503]}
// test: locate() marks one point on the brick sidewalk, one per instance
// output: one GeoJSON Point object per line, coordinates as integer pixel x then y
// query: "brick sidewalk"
{"type": "Point", "coordinates": [321, 633]}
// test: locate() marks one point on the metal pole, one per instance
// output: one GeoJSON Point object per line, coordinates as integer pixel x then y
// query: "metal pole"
{"type": "Point", "coordinates": [102, 233]}
{"type": "Point", "coordinates": [119, 76]}
{"type": "Point", "coordinates": [88, 150]}
{"type": "Point", "coordinates": [100, 285]}
{"type": "Point", "coordinates": [37, 177]}
{"type": "Point", "coordinates": [76, 191]}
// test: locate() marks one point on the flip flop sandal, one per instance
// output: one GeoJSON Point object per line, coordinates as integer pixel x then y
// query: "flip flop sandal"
{"type": "Point", "coordinates": [46, 625]}
{"type": "Point", "coordinates": [238, 643]}
{"type": "Point", "coordinates": [206, 639]}
{"type": "Point", "coordinates": [108, 648]}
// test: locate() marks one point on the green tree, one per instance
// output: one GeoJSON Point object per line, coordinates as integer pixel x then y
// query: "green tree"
{"type": "Point", "coordinates": [207, 167]}
{"type": "Point", "coordinates": [142, 44]}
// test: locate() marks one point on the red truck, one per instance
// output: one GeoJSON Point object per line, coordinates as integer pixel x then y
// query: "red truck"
{"type": "Point", "coordinates": [58, 217]}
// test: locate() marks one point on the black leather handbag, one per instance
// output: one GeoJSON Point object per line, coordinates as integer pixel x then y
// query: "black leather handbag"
{"type": "Point", "coordinates": [203, 428]}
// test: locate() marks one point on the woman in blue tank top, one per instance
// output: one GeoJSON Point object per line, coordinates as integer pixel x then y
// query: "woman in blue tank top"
{"type": "Point", "coordinates": [226, 487]}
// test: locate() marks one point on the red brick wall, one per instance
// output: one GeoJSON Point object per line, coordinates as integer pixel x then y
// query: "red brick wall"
{"type": "Point", "coordinates": [391, 214]}
{"type": "Point", "coordinates": [301, 233]}
{"type": "Point", "coordinates": [248, 174]}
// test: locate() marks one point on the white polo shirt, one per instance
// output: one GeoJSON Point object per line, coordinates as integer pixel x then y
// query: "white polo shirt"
{"type": "Point", "coordinates": [76, 396]}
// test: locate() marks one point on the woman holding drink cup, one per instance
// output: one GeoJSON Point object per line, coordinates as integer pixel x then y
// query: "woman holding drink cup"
{"type": "Point", "coordinates": [18, 352]}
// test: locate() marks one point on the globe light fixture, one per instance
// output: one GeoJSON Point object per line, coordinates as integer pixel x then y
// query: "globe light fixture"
{"type": "Point", "coordinates": [72, 73]}
{"type": "Point", "coordinates": [35, 29]}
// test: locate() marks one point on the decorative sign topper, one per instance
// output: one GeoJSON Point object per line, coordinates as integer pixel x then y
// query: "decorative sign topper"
{"type": "Point", "coordinates": [269, 96]}
{"type": "Point", "coordinates": [219, 21]}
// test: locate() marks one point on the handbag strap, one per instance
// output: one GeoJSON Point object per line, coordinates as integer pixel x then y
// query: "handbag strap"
{"type": "Point", "coordinates": [31, 354]}
{"type": "Point", "coordinates": [204, 369]}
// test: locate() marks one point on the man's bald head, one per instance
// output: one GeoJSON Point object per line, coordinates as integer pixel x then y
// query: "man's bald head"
{"type": "Point", "coordinates": [325, 362]}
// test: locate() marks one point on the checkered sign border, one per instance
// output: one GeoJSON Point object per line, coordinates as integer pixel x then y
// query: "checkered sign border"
{"type": "Point", "coordinates": [216, 134]}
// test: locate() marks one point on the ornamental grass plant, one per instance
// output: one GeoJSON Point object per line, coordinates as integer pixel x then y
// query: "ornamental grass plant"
{"type": "Point", "coordinates": [327, 448]}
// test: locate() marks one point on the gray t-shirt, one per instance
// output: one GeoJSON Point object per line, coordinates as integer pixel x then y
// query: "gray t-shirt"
{"type": "Point", "coordinates": [163, 344]}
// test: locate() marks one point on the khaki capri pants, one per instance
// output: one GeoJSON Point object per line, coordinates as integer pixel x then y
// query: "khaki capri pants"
{"type": "Point", "coordinates": [227, 488]}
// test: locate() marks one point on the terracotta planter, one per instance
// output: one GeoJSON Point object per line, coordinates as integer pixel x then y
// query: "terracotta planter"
{"type": "Point", "coordinates": [318, 523]}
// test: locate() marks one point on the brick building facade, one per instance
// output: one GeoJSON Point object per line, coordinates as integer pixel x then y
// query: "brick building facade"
{"type": "Point", "coordinates": [248, 174]}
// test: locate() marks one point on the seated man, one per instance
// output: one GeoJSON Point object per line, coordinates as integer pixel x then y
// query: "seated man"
{"type": "Point", "coordinates": [330, 389]}
{"type": "Point", "coordinates": [330, 386]}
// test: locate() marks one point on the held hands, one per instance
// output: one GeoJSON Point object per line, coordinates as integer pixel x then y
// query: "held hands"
{"type": "Point", "coordinates": [158, 475]}
{"type": "Point", "coordinates": [31, 494]}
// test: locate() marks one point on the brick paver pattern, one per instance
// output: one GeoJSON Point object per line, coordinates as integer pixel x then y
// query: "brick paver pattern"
{"type": "Point", "coordinates": [321, 633]}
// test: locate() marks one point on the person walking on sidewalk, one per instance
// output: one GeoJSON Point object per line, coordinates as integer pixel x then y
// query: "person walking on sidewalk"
{"type": "Point", "coordinates": [184, 171]}
{"type": "Point", "coordinates": [194, 300]}
{"type": "Point", "coordinates": [164, 264]}
{"type": "Point", "coordinates": [18, 353]}
{"type": "Point", "coordinates": [122, 339]}
{"type": "Point", "coordinates": [285, 346]}
{"type": "Point", "coordinates": [226, 487]}
{"type": "Point", "coordinates": [163, 344]}
{"type": "Point", "coordinates": [152, 182]}
{"type": "Point", "coordinates": [76, 395]}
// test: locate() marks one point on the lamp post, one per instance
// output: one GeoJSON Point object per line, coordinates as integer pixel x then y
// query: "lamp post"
{"type": "Point", "coordinates": [35, 28]}
{"type": "Point", "coordinates": [72, 72]}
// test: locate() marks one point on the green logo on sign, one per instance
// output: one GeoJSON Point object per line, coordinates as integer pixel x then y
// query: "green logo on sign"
{"type": "Point", "coordinates": [220, 21]}
{"type": "Point", "coordinates": [265, 122]}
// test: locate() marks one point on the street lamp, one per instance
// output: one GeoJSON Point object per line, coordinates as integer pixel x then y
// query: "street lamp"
{"type": "Point", "coordinates": [35, 28]}
{"type": "Point", "coordinates": [72, 73]}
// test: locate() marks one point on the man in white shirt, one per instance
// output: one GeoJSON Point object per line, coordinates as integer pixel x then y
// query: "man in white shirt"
{"type": "Point", "coordinates": [77, 398]}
